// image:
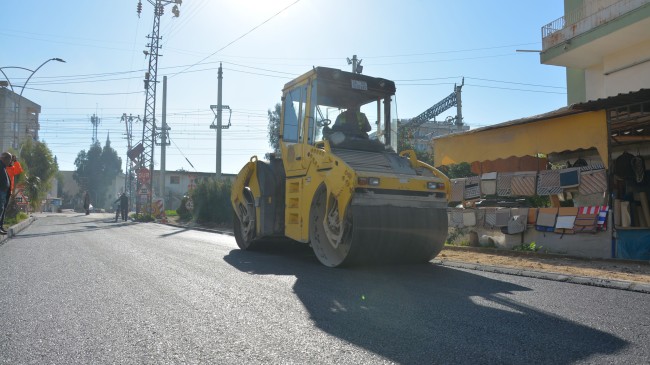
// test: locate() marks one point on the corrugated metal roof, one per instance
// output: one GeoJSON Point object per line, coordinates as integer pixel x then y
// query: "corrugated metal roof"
{"type": "Point", "coordinates": [633, 97]}
{"type": "Point", "coordinates": [642, 95]}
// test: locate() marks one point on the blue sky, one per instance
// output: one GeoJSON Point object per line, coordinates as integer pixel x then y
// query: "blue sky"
{"type": "Point", "coordinates": [424, 46]}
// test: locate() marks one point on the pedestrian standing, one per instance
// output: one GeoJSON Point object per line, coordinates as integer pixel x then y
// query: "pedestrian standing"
{"type": "Point", "coordinates": [123, 206]}
{"type": "Point", "coordinates": [5, 160]}
{"type": "Point", "coordinates": [14, 168]}
{"type": "Point", "coordinates": [87, 202]}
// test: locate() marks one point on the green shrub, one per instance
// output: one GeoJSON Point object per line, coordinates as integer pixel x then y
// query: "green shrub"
{"type": "Point", "coordinates": [531, 247]}
{"type": "Point", "coordinates": [453, 238]}
{"type": "Point", "coordinates": [19, 217]}
{"type": "Point", "coordinates": [182, 211]}
{"type": "Point", "coordinates": [143, 217]}
{"type": "Point", "coordinates": [170, 213]}
{"type": "Point", "coordinates": [211, 200]}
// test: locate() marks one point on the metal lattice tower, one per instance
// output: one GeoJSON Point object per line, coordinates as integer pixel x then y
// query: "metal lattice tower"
{"type": "Point", "coordinates": [453, 100]}
{"type": "Point", "coordinates": [150, 82]}
{"type": "Point", "coordinates": [94, 120]}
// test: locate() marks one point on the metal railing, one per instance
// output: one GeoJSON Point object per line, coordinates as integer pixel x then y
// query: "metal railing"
{"type": "Point", "coordinates": [585, 18]}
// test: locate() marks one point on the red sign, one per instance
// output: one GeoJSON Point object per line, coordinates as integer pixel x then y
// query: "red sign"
{"type": "Point", "coordinates": [20, 198]}
{"type": "Point", "coordinates": [144, 176]}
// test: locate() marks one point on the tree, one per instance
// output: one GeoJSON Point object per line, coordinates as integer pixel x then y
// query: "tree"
{"type": "Point", "coordinates": [274, 129]}
{"type": "Point", "coordinates": [460, 170]}
{"type": "Point", "coordinates": [40, 167]}
{"type": "Point", "coordinates": [404, 142]}
{"type": "Point", "coordinates": [96, 171]}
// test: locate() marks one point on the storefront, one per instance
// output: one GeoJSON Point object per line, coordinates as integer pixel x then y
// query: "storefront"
{"type": "Point", "coordinates": [588, 159]}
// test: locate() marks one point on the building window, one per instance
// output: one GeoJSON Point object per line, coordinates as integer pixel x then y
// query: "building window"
{"type": "Point", "coordinates": [174, 179]}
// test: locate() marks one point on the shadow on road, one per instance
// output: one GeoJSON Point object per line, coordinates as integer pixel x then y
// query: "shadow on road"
{"type": "Point", "coordinates": [427, 314]}
{"type": "Point", "coordinates": [84, 226]}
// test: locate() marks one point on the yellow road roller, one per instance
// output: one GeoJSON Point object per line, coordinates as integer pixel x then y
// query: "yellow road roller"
{"type": "Point", "coordinates": [337, 182]}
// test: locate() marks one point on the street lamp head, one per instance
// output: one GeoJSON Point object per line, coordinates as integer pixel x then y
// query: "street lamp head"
{"type": "Point", "coordinates": [58, 59]}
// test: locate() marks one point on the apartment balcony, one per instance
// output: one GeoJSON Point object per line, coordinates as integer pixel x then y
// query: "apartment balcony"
{"type": "Point", "coordinates": [584, 36]}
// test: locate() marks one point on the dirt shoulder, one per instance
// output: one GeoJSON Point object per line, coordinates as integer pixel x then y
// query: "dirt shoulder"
{"type": "Point", "coordinates": [637, 271]}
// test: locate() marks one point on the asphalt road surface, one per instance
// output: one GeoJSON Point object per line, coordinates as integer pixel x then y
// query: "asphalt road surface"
{"type": "Point", "coordinates": [78, 289]}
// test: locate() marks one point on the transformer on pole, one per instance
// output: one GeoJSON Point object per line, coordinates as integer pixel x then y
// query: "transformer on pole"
{"type": "Point", "coordinates": [145, 165]}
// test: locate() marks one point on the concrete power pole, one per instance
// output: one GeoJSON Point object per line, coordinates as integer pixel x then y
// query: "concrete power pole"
{"type": "Point", "coordinates": [164, 137]}
{"type": "Point", "coordinates": [217, 109]}
{"type": "Point", "coordinates": [356, 64]}
{"type": "Point", "coordinates": [459, 105]}
{"type": "Point", "coordinates": [219, 124]}
{"type": "Point", "coordinates": [130, 163]}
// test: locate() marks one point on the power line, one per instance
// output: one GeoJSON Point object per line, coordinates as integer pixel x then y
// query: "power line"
{"type": "Point", "coordinates": [480, 79]}
{"type": "Point", "coordinates": [452, 51]}
{"type": "Point", "coordinates": [238, 38]}
{"type": "Point", "coordinates": [83, 93]}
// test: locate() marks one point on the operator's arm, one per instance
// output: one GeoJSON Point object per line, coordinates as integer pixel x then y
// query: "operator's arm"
{"type": "Point", "coordinates": [366, 124]}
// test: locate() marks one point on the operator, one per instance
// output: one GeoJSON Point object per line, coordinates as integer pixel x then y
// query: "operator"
{"type": "Point", "coordinates": [352, 122]}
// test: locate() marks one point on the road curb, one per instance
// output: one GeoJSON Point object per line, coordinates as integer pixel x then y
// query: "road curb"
{"type": "Point", "coordinates": [581, 280]}
{"type": "Point", "coordinates": [16, 228]}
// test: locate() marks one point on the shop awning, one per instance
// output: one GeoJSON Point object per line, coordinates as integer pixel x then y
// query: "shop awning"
{"type": "Point", "coordinates": [562, 130]}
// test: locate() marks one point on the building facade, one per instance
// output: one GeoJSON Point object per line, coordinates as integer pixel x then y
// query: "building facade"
{"type": "Point", "coordinates": [604, 45]}
{"type": "Point", "coordinates": [597, 180]}
{"type": "Point", "coordinates": [18, 119]}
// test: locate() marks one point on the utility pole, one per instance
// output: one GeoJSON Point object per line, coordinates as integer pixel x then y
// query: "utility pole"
{"type": "Point", "coordinates": [146, 164]}
{"type": "Point", "coordinates": [164, 137]}
{"type": "Point", "coordinates": [131, 160]}
{"type": "Point", "coordinates": [218, 117]}
{"type": "Point", "coordinates": [459, 105]}
{"type": "Point", "coordinates": [356, 64]}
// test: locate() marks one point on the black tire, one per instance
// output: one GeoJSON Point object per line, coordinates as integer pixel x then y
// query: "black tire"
{"type": "Point", "coordinates": [330, 252]}
{"type": "Point", "coordinates": [245, 231]}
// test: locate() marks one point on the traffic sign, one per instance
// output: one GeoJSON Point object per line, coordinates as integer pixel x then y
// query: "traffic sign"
{"type": "Point", "coordinates": [144, 176]}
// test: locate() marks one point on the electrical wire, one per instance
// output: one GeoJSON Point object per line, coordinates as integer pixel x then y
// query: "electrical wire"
{"type": "Point", "coordinates": [236, 39]}
{"type": "Point", "coordinates": [83, 93]}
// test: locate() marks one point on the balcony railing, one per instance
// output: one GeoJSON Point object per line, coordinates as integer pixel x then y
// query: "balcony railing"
{"type": "Point", "coordinates": [586, 18]}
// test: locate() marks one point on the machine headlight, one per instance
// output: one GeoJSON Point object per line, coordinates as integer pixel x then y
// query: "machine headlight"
{"type": "Point", "coordinates": [370, 181]}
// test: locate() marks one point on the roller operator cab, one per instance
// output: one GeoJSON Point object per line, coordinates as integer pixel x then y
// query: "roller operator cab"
{"type": "Point", "coordinates": [344, 191]}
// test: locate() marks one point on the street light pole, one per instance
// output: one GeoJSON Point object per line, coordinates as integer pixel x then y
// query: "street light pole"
{"type": "Point", "coordinates": [17, 105]}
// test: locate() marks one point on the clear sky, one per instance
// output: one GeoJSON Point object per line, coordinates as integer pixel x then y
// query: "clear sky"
{"type": "Point", "coordinates": [425, 46]}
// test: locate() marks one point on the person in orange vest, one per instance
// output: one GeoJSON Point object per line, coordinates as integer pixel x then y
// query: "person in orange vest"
{"type": "Point", "coordinates": [6, 160]}
{"type": "Point", "coordinates": [352, 122]}
{"type": "Point", "coordinates": [14, 168]}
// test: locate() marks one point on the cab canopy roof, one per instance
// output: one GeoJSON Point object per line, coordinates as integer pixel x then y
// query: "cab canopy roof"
{"type": "Point", "coordinates": [341, 89]}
